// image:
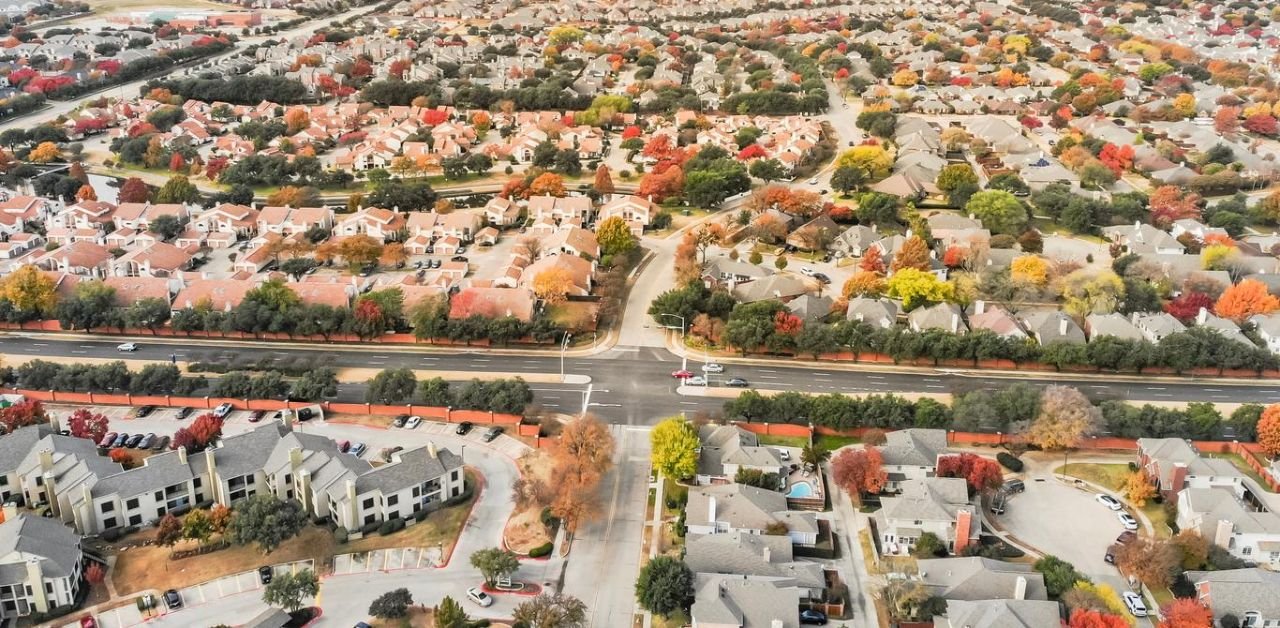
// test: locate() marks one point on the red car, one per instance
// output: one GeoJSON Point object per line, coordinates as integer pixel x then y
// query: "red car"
{"type": "Point", "coordinates": [88, 622]}
{"type": "Point", "coordinates": [682, 374]}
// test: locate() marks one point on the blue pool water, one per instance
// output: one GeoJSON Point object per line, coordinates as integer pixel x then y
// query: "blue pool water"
{"type": "Point", "coordinates": [801, 489]}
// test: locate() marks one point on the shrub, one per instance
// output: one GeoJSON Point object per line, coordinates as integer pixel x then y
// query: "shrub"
{"type": "Point", "coordinates": [1009, 461]}
{"type": "Point", "coordinates": [420, 515]}
{"type": "Point", "coordinates": [1133, 467]}
{"type": "Point", "coordinates": [340, 535]}
{"type": "Point", "coordinates": [540, 551]}
{"type": "Point", "coordinates": [370, 528]}
{"type": "Point", "coordinates": [111, 535]}
{"type": "Point", "coordinates": [391, 526]}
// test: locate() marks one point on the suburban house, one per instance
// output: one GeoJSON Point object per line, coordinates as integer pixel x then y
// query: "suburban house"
{"type": "Point", "coordinates": [938, 505]}
{"type": "Point", "coordinates": [41, 565]}
{"type": "Point", "coordinates": [1240, 519]}
{"type": "Point", "coordinates": [380, 224]}
{"type": "Point", "coordinates": [634, 210]}
{"type": "Point", "coordinates": [736, 602]}
{"type": "Point", "coordinates": [978, 578]}
{"type": "Point", "coordinates": [1248, 594]}
{"type": "Point", "coordinates": [1174, 464]}
{"type": "Point", "coordinates": [911, 454]}
{"type": "Point", "coordinates": [758, 557]}
{"type": "Point", "coordinates": [727, 448]}
{"type": "Point", "coordinates": [999, 614]}
{"type": "Point", "coordinates": [880, 312]}
{"type": "Point", "coordinates": [724, 508]}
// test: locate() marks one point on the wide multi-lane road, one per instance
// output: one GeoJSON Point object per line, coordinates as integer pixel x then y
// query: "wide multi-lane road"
{"type": "Point", "coordinates": [634, 384]}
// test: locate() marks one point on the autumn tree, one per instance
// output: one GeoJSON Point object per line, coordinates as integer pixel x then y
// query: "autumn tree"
{"type": "Point", "coordinates": [547, 184]}
{"type": "Point", "coordinates": [1138, 488]}
{"type": "Point", "coordinates": [863, 284]}
{"type": "Point", "coordinates": [1269, 430]}
{"type": "Point", "coordinates": [999, 211]}
{"type": "Point", "coordinates": [914, 253]}
{"type": "Point", "coordinates": [614, 236]}
{"type": "Point", "coordinates": [168, 531]}
{"type": "Point", "coordinates": [918, 287]}
{"type": "Point", "coordinates": [1246, 299]}
{"type": "Point", "coordinates": [294, 196]}
{"type": "Point", "coordinates": [872, 261]}
{"type": "Point", "coordinates": [604, 181]}
{"type": "Point", "coordinates": [134, 190]}
{"type": "Point", "coordinates": [1081, 618]}
{"type": "Point", "coordinates": [1170, 202]}
{"type": "Point", "coordinates": [44, 153]}
{"type": "Point", "coordinates": [1185, 612]}
{"type": "Point", "coordinates": [1065, 417]}
{"type": "Point", "coordinates": [84, 423]}
{"type": "Point", "coordinates": [86, 193]}
{"type": "Point", "coordinates": [674, 443]}
{"type": "Point", "coordinates": [29, 291]}
{"type": "Point", "coordinates": [553, 285]}
{"type": "Point", "coordinates": [1152, 560]}
{"type": "Point", "coordinates": [581, 457]}
{"type": "Point", "coordinates": [859, 471]}
{"type": "Point", "coordinates": [981, 474]}
{"type": "Point", "coordinates": [1030, 269]}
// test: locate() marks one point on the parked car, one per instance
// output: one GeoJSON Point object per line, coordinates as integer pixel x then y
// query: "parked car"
{"type": "Point", "coordinates": [183, 413]}
{"type": "Point", "coordinates": [459, 258]}
{"type": "Point", "coordinates": [223, 410]}
{"type": "Point", "coordinates": [133, 441]}
{"type": "Point", "coordinates": [162, 442]}
{"type": "Point", "coordinates": [813, 181]}
{"type": "Point", "coordinates": [344, 445]}
{"type": "Point", "coordinates": [358, 449]}
{"type": "Point", "coordinates": [463, 428]}
{"type": "Point", "coordinates": [737, 382]}
{"type": "Point", "coordinates": [1134, 603]}
{"type": "Point", "coordinates": [1126, 537]}
{"type": "Point", "coordinates": [305, 414]}
{"type": "Point", "coordinates": [479, 597]}
{"type": "Point", "coordinates": [822, 278]}
{"type": "Point", "coordinates": [172, 599]}
{"type": "Point", "coordinates": [128, 347]}
{"type": "Point", "coordinates": [120, 440]}
{"type": "Point", "coordinates": [492, 433]}
{"type": "Point", "coordinates": [1110, 502]}
{"type": "Point", "coordinates": [1127, 521]}
{"type": "Point", "coordinates": [142, 411]}
{"type": "Point", "coordinates": [813, 617]}
{"type": "Point", "coordinates": [107, 440]}
{"type": "Point", "coordinates": [999, 502]}
{"type": "Point", "coordinates": [712, 367]}
{"type": "Point", "coordinates": [265, 573]}
{"type": "Point", "coordinates": [682, 374]}
{"type": "Point", "coordinates": [399, 420]}
{"type": "Point", "coordinates": [147, 441]}
{"type": "Point", "coordinates": [1013, 486]}
{"type": "Point", "coordinates": [386, 454]}
{"type": "Point", "coordinates": [413, 422]}
{"type": "Point", "coordinates": [257, 415]}
{"type": "Point", "coordinates": [88, 622]}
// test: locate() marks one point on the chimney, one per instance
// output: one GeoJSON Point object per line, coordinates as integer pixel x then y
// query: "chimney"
{"type": "Point", "coordinates": [964, 522]}
{"type": "Point", "coordinates": [10, 511]}
{"type": "Point", "coordinates": [979, 307]}
{"type": "Point", "coordinates": [35, 576]}
{"type": "Point", "coordinates": [768, 554]}
{"type": "Point", "coordinates": [1177, 479]}
{"type": "Point", "coordinates": [431, 449]}
{"type": "Point", "coordinates": [1020, 589]}
{"type": "Point", "coordinates": [295, 457]}
{"type": "Point", "coordinates": [711, 510]}
{"type": "Point", "coordinates": [352, 505]}
{"type": "Point", "coordinates": [1062, 326]}
{"type": "Point", "coordinates": [215, 480]}
{"type": "Point", "coordinates": [286, 419]}
{"type": "Point", "coordinates": [51, 493]}
{"type": "Point", "coordinates": [955, 322]}
{"type": "Point", "coordinates": [46, 460]}
{"type": "Point", "coordinates": [182, 455]}
{"type": "Point", "coordinates": [1201, 316]}
{"type": "Point", "coordinates": [1222, 535]}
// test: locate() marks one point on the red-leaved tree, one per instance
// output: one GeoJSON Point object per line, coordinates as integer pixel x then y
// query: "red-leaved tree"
{"type": "Point", "coordinates": [1185, 613]}
{"type": "Point", "coordinates": [980, 473]}
{"type": "Point", "coordinates": [859, 471]}
{"type": "Point", "coordinates": [1187, 305]}
{"type": "Point", "coordinates": [85, 423]}
{"type": "Point", "coordinates": [21, 414]}
{"type": "Point", "coordinates": [1084, 618]}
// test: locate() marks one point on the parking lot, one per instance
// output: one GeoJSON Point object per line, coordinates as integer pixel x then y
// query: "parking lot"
{"type": "Point", "coordinates": [387, 560]}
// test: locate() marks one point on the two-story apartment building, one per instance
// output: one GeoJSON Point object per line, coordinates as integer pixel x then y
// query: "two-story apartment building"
{"type": "Point", "coordinates": [1250, 595]}
{"type": "Point", "coordinates": [41, 565]}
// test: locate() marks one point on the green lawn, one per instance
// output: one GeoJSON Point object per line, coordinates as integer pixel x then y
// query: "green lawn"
{"type": "Point", "coordinates": [1110, 476]}
{"type": "Point", "coordinates": [832, 443]}
{"type": "Point", "coordinates": [784, 441]}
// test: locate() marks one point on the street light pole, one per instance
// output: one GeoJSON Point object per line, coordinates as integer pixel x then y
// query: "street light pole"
{"type": "Point", "coordinates": [684, 359]}
{"type": "Point", "coordinates": [564, 344]}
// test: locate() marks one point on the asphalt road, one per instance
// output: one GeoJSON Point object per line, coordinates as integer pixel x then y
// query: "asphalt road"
{"type": "Point", "coordinates": [633, 385]}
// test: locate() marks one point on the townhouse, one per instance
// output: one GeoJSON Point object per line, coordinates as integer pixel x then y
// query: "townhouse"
{"type": "Point", "coordinates": [940, 506]}
{"type": "Point", "coordinates": [727, 508]}
{"type": "Point", "coordinates": [41, 565]}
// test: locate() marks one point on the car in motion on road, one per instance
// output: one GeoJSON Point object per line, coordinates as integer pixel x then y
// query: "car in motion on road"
{"type": "Point", "coordinates": [737, 382]}
{"type": "Point", "coordinates": [712, 367]}
{"type": "Point", "coordinates": [492, 433]}
{"type": "Point", "coordinates": [128, 347]}
{"type": "Point", "coordinates": [682, 374]}
{"type": "Point", "coordinates": [1127, 521]}
{"type": "Point", "coordinates": [1134, 603]}
{"type": "Point", "coordinates": [479, 597]}
{"type": "Point", "coordinates": [463, 428]}
{"type": "Point", "coordinates": [1110, 502]}
{"type": "Point", "coordinates": [696, 380]}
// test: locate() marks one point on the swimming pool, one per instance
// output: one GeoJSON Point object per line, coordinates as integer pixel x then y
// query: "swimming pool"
{"type": "Point", "coordinates": [801, 489]}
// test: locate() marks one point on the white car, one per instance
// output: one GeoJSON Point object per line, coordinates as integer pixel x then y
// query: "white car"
{"type": "Point", "coordinates": [1110, 502]}
{"type": "Point", "coordinates": [1134, 602]}
{"type": "Point", "coordinates": [479, 597]}
{"type": "Point", "coordinates": [712, 367]}
{"type": "Point", "coordinates": [1127, 521]}
{"type": "Point", "coordinates": [414, 421]}
{"type": "Point", "coordinates": [128, 346]}
{"type": "Point", "coordinates": [223, 410]}
{"type": "Point", "coordinates": [813, 181]}
{"type": "Point", "coordinates": [784, 455]}
{"type": "Point", "coordinates": [806, 271]}
{"type": "Point", "coordinates": [696, 380]}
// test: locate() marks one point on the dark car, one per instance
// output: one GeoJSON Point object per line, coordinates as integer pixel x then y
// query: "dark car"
{"type": "Point", "coordinates": [162, 442]}
{"type": "Point", "coordinates": [1111, 554]}
{"type": "Point", "coordinates": [183, 413]}
{"type": "Point", "coordinates": [822, 277]}
{"type": "Point", "coordinates": [737, 382]}
{"type": "Point", "coordinates": [305, 414]}
{"type": "Point", "coordinates": [1013, 486]}
{"type": "Point", "coordinates": [142, 411]}
{"type": "Point", "coordinates": [463, 428]}
{"type": "Point", "coordinates": [257, 415]}
{"type": "Point", "coordinates": [1128, 536]}
{"type": "Point", "coordinates": [133, 441]}
{"type": "Point", "coordinates": [813, 618]}
{"type": "Point", "coordinates": [264, 574]}
{"type": "Point", "coordinates": [459, 258]}
{"type": "Point", "coordinates": [172, 599]}
{"type": "Point", "coordinates": [108, 440]}
{"type": "Point", "coordinates": [399, 420]}
{"type": "Point", "coordinates": [119, 442]}
{"type": "Point", "coordinates": [492, 433]}
{"type": "Point", "coordinates": [147, 441]}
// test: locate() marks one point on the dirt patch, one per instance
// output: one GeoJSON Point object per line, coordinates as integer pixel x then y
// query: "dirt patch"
{"type": "Point", "coordinates": [525, 530]}
{"type": "Point", "coordinates": [367, 420]}
{"type": "Point", "coordinates": [419, 617]}
{"type": "Point", "coordinates": [141, 565]}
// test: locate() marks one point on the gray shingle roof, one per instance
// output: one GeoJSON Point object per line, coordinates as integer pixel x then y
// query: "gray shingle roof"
{"type": "Point", "coordinates": [756, 555]}
{"type": "Point", "coordinates": [1238, 591]}
{"type": "Point", "coordinates": [408, 468]}
{"type": "Point", "coordinates": [56, 544]}
{"type": "Point", "coordinates": [735, 601]}
{"type": "Point", "coordinates": [930, 499]}
{"type": "Point", "coordinates": [745, 507]}
{"type": "Point", "coordinates": [977, 578]}
{"type": "Point", "coordinates": [156, 473]}
{"type": "Point", "coordinates": [917, 447]}
{"type": "Point", "coordinates": [731, 444]}
{"type": "Point", "coordinates": [999, 614]}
